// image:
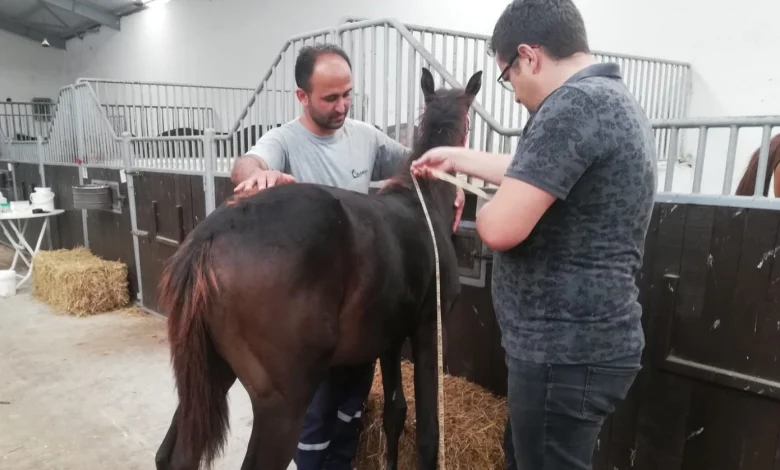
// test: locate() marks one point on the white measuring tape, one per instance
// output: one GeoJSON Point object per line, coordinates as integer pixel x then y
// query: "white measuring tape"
{"type": "Point", "coordinates": [440, 360]}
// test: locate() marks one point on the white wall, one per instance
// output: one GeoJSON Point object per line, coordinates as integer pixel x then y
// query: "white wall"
{"type": "Point", "coordinates": [28, 70]}
{"type": "Point", "coordinates": [232, 42]}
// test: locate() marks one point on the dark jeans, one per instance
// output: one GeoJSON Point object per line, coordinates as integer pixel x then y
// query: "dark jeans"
{"type": "Point", "coordinates": [331, 428]}
{"type": "Point", "coordinates": [556, 411]}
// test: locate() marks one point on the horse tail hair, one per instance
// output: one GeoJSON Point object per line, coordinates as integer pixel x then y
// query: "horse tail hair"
{"type": "Point", "coordinates": [187, 291]}
{"type": "Point", "coordinates": [747, 184]}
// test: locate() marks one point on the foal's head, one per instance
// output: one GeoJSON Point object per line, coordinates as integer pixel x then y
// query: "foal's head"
{"type": "Point", "coordinates": [444, 122]}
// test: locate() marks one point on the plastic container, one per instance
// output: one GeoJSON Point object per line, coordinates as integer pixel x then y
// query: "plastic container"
{"type": "Point", "coordinates": [7, 283]}
{"type": "Point", "coordinates": [21, 207]}
{"type": "Point", "coordinates": [43, 200]}
{"type": "Point", "coordinates": [5, 206]}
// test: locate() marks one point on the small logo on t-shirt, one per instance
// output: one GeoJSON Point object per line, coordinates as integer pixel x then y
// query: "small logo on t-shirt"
{"type": "Point", "coordinates": [358, 174]}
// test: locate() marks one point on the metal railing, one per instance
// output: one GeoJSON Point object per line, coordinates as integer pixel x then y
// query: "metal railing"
{"type": "Point", "coordinates": [25, 121]}
{"type": "Point", "coordinates": [150, 109]}
{"type": "Point", "coordinates": [720, 151]}
{"type": "Point", "coordinates": [662, 87]}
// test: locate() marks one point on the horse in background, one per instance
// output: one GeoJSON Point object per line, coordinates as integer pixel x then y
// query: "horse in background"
{"type": "Point", "coordinates": [245, 139]}
{"type": "Point", "coordinates": [280, 285]}
{"type": "Point", "coordinates": [747, 184]}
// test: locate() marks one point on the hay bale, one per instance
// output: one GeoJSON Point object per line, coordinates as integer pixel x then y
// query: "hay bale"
{"type": "Point", "coordinates": [474, 421]}
{"type": "Point", "coordinates": [79, 282]}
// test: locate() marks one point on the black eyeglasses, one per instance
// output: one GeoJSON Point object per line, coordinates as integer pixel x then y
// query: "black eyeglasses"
{"type": "Point", "coordinates": [501, 78]}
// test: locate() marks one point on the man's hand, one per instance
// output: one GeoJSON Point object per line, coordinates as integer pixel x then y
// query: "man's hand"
{"type": "Point", "coordinates": [437, 158]}
{"type": "Point", "coordinates": [262, 179]}
{"type": "Point", "coordinates": [460, 199]}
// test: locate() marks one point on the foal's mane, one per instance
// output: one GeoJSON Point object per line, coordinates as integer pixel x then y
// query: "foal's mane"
{"type": "Point", "coordinates": [444, 122]}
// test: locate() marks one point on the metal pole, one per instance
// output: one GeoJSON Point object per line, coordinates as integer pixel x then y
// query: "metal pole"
{"type": "Point", "coordinates": [208, 173]}
{"type": "Point", "coordinates": [133, 211]}
{"type": "Point", "coordinates": [42, 173]}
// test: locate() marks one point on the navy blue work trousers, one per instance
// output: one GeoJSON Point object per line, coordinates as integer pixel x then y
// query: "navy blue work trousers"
{"type": "Point", "coordinates": [331, 428]}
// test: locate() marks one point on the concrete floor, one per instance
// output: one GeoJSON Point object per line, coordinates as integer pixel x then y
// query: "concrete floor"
{"type": "Point", "coordinates": [89, 393]}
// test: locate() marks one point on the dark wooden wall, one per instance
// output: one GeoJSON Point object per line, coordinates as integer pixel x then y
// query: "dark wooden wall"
{"type": "Point", "coordinates": [709, 395]}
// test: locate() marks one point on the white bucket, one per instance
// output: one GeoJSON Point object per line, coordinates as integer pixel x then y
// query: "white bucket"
{"type": "Point", "coordinates": [42, 200]}
{"type": "Point", "coordinates": [7, 283]}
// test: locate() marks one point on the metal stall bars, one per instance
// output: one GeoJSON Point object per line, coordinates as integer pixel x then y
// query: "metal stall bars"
{"type": "Point", "coordinates": [716, 169]}
{"type": "Point", "coordinates": [662, 87]}
{"type": "Point", "coordinates": [25, 121]}
{"type": "Point", "coordinates": [157, 109]}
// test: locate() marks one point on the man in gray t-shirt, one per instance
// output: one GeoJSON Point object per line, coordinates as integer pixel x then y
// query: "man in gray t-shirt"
{"type": "Point", "coordinates": [323, 146]}
{"type": "Point", "coordinates": [567, 226]}
{"type": "Point", "coordinates": [351, 158]}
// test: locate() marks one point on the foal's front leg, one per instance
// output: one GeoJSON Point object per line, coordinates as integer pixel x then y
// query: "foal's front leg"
{"type": "Point", "coordinates": [425, 393]}
{"type": "Point", "coordinates": [394, 413]}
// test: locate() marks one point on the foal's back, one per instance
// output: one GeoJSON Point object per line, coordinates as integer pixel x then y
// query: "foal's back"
{"type": "Point", "coordinates": [341, 263]}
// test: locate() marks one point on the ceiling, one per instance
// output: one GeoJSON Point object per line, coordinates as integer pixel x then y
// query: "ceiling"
{"type": "Point", "coordinates": [60, 20]}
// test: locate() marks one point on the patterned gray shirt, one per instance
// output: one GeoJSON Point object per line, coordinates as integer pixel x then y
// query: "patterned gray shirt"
{"type": "Point", "coordinates": [568, 293]}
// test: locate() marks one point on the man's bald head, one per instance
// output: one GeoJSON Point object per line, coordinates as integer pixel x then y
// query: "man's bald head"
{"type": "Point", "coordinates": [323, 74]}
{"type": "Point", "coordinates": [324, 59]}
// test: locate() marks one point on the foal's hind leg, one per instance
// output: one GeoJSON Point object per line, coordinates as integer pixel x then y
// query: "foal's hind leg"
{"type": "Point", "coordinates": [394, 414]}
{"type": "Point", "coordinates": [279, 406]}
{"type": "Point", "coordinates": [175, 455]}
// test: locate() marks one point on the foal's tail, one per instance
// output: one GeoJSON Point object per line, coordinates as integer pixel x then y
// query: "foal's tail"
{"type": "Point", "coordinates": [747, 184]}
{"type": "Point", "coordinates": [187, 291]}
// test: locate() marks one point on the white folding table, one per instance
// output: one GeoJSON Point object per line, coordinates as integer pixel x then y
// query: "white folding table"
{"type": "Point", "coordinates": [16, 237]}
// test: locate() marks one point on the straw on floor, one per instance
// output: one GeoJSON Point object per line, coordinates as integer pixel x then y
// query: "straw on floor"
{"type": "Point", "coordinates": [474, 421]}
{"type": "Point", "coordinates": [79, 282]}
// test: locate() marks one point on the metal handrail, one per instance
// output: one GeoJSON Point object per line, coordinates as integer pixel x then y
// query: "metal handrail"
{"type": "Point", "coordinates": [406, 34]}
{"type": "Point", "coordinates": [352, 23]}
{"type": "Point", "coordinates": [486, 37]}
{"type": "Point", "coordinates": [88, 80]}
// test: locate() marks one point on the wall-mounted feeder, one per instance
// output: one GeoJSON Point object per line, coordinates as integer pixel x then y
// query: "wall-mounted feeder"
{"type": "Point", "coordinates": [92, 197]}
{"type": "Point", "coordinates": [98, 195]}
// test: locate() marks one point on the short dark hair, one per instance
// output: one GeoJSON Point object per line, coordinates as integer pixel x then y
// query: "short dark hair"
{"type": "Point", "coordinates": [307, 57]}
{"type": "Point", "coordinates": [556, 25]}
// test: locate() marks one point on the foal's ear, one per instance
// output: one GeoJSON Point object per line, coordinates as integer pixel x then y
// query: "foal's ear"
{"type": "Point", "coordinates": [428, 87]}
{"type": "Point", "coordinates": [474, 84]}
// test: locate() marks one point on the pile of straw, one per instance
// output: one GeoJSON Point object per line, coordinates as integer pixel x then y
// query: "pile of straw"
{"type": "Point", "coordinates": [79, 282]}
{"type": "Point", "coordinates": [474, 422]}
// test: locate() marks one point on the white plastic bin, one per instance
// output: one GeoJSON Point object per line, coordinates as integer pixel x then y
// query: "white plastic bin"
{"type": "Point", "coordinates": [7, 283]}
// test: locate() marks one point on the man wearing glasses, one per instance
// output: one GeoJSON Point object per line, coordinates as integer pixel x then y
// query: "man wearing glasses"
{"type": "Point", "coordinates": [567, 226]}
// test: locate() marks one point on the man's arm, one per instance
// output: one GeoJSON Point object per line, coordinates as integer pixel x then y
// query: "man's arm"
{"type": "Point", "coordinates": [262, 165]}
{"type": "Point", "coordinates": [245, 165]}
{"type": "Point", "coordinates": [390, 156]}
{"type": "Point", "coordinates": [562, 143]}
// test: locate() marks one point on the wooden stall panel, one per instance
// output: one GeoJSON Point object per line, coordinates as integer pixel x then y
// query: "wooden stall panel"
{"type": "Point", "coordinates": [67, 229]}
{"type": "Point", "coordinates": [110, 234]}
{"type": "Point", "coordinates": [166, 212]}
{"type": "Point", "coordinates": [708, 397]}
{"type": "Point", "coordinates": [223, 189]}
{"type": "Point", "coordinates": [725, 325]}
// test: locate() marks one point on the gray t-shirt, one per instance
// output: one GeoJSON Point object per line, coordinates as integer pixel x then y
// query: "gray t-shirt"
{"type": "Point", "coordinates": [351, 158]}
{"type": "Point", "coordinates": [568, 293]}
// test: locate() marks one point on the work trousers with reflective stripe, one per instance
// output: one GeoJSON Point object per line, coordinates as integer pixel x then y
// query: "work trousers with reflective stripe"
{"type": "Point", "coordinates": [331, 428]}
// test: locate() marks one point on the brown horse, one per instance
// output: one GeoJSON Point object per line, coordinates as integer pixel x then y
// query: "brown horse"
{"type": "Point", "coordinates": [283, 284]}
{"type": "Point", "coordinates": [747, 185]}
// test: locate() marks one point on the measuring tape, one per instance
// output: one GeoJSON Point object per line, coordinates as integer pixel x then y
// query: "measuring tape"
{"type": "Point", "coordinates": [440, 361]}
